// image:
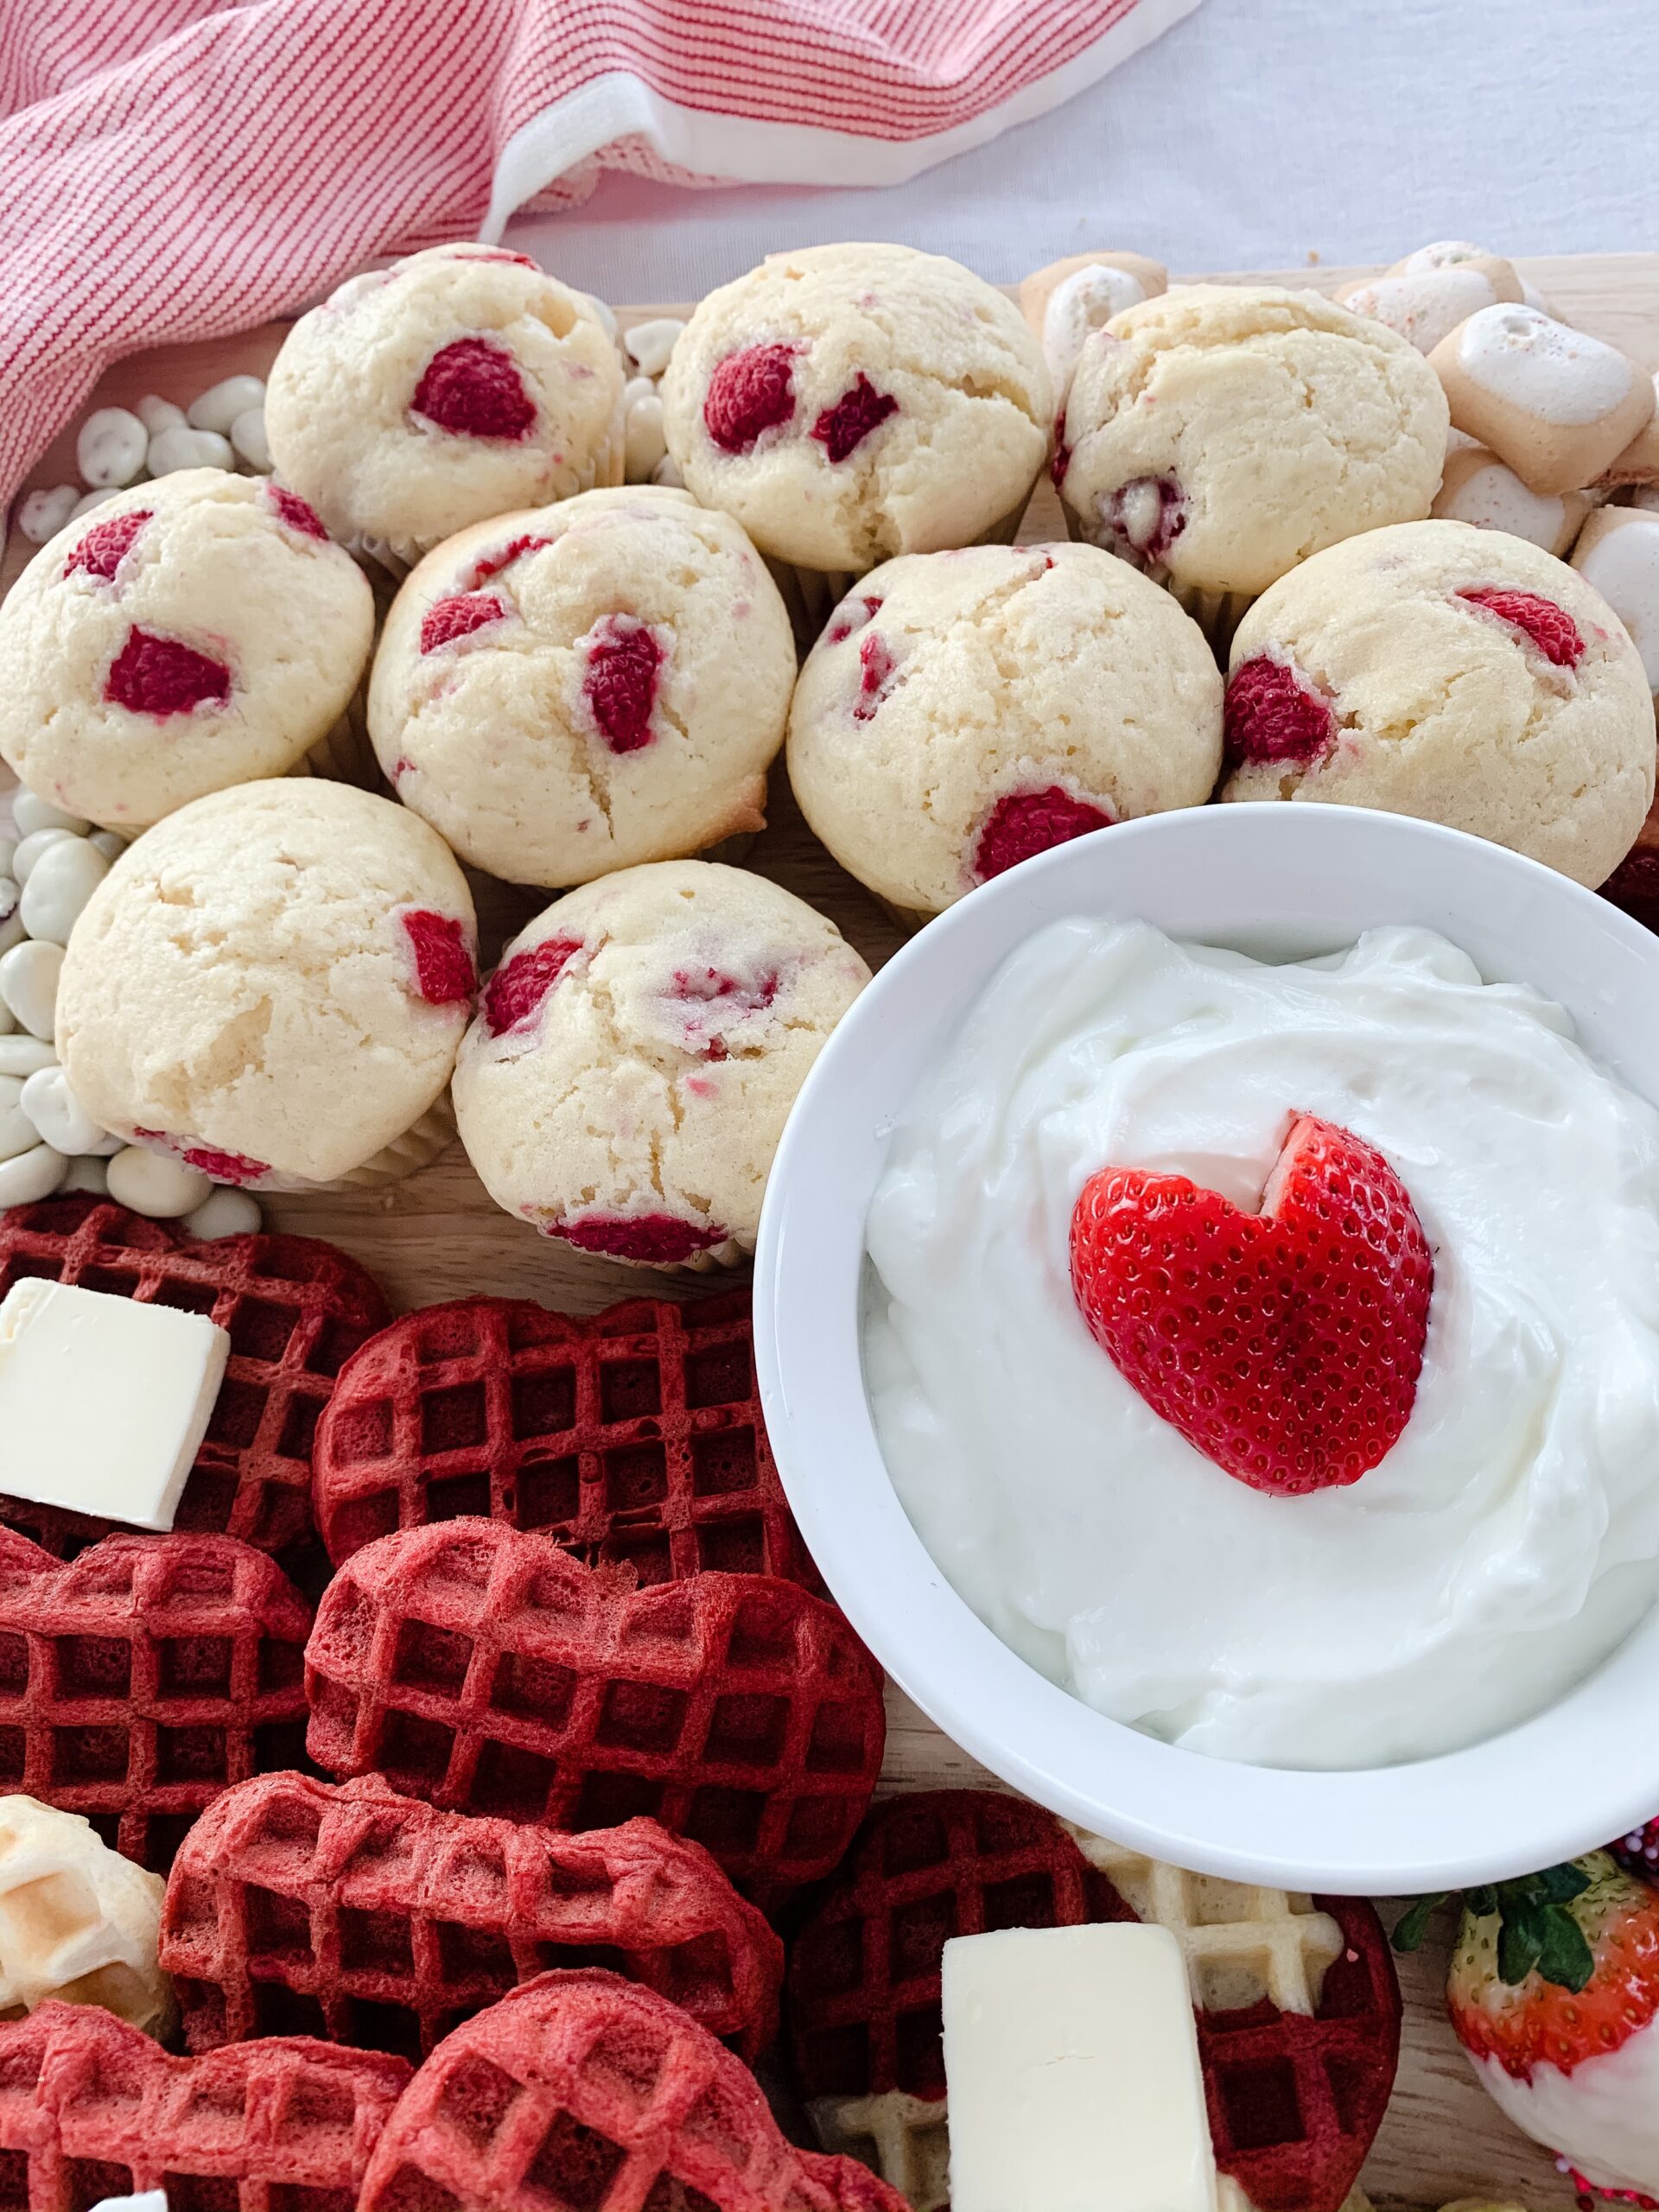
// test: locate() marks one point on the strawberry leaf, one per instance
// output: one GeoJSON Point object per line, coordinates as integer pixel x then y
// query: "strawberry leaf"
{"type": "Point", "coordinates": [1520, 1942]}
{"type": "Point", "coordinates": [1565, 1956]}
{"type": "Point", "coordinates": [1560, 1885]}
{"type": "Point", "coordinates": [1412, 1925]}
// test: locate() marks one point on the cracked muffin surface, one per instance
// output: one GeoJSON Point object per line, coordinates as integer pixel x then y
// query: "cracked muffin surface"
{"type": "Point", "coordinates": [637, 1051]}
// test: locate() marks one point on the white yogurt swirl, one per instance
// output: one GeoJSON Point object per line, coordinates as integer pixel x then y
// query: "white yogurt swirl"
{"type": "Point", "coordinates": [1509, 1541]}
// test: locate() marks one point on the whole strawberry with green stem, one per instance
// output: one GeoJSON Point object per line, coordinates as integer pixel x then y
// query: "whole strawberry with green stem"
{"type": "Point", "coordinates": [1554, 1993]}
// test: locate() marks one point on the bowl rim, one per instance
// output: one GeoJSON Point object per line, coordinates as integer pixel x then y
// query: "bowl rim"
{"type": "Point", "coordinates": [1566, 1781]}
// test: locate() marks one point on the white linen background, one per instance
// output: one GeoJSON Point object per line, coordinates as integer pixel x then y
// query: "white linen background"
{"type": "Point", "coordinates": [1254, 132]}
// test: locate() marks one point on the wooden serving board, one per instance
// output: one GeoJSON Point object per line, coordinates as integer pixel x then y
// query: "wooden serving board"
{"type": "Point", "coordinates": [439, 1236]}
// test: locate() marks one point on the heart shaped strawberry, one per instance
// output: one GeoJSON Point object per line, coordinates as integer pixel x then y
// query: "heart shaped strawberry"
{"type": "Point", "coordinates": [1285, 1345]}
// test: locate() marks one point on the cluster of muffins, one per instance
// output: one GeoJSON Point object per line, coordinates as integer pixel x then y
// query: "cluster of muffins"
{"type": "Point", "coordinates": [1314, 552]}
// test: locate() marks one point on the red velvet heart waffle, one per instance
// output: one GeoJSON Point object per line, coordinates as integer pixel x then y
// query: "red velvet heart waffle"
{"type": "Point", "coordinates": [634, 1436]}
{"type": "Point", "coordinates": [295, 1308]}
{"type": "Point", "coordinates": [584, 2090]}
{"type": "Point", "coordinates": [91, 2107]}
{"type": "Point", "coordinates": [1299, 2026]}
{"type": "Point", "coordinates": [297, 1906]}
{"type": "Point", "coordinates": [488, 1671]}
{"type": "Point", "coordinates": [140, 1678]}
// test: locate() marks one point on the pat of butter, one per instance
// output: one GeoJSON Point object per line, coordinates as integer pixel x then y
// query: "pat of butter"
{"type": "Point", "coordinates": [1072, 2061]}
{"type": "Point", "coordinates": [104, 1402]}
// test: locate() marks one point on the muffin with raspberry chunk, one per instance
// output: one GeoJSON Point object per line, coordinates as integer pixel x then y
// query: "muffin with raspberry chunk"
{"type": "Point", "coordinates": [1453, 673]}
{"type": "Point", "coordinates": [191, 633]}
{"type": "Point", "coordinates": [850, 403]}
{"type": "Point", "coordinates": [457, 383]}
{"type": "Point", "coordinates": [963, 711]}
{"type": "Point", "coordinates": [586, 686]}
{"type": "Point", "coordinates": [636, 1054]}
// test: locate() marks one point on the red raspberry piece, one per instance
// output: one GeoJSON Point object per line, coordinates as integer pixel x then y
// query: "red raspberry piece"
{"type": "Point", "coordinates": [299, 514]}
{"type": "Point", "coordinates": [842, 428]}
{"type": "Point", "coordinates": [472, 388]}
{"type": "Point", "coordinates": [446, 619]}
{"type": "Point", "coordinates": [443, 957]}
{"type": "Point", "coordinates": [620, 681]}
{"type": "Point", "coordinates": [234, 1167]}
{"type": "Point", "coordinates": [852, 614]}
{"type": "Point", "coordinates": [748, 392]}
{"type": "Point", "coordinates": [513, 995]}
{"type": "Point", "coordinates": [1284, 1345]}
{"type": "Point", "coordinates": [492, 564]}
{"type": "Point", "coordinates": [1144, 517]}
{"type": "Point", "coordinates": [1271, 714]}
{"type": "Point", "coordinates": [1062, 460]}
{"type": "Point", "coordinates": [877, 664]}
{"type": "Point", "coordinates": [152, 675]}
{"type": "Point", "coordinates": [660, 1239]}
{"type": "Point", "coordinates": [727, 998]}
{"type": "Point", "coordinates": [1549, 627]}
{"type": "Point", "coordinates": [495, 253]}
{"type": "Point", "coordinates": [106, 544]}
{"type": "Point", "coordinates": [1031, 821]}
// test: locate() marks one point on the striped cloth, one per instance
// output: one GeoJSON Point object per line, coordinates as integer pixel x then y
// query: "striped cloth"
{"type": "Point", "coordinates": [175, 169]}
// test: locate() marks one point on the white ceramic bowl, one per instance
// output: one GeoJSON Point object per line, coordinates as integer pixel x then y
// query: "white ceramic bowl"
{"type": "Point", "coordinates": [1283, 881]}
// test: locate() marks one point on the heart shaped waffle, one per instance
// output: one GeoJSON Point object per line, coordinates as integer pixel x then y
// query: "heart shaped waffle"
{"type": "Point", "coordinates": [91, 2107]}
{"type": "Point", "coordinates": [140, 1678]}
{"type": "Point", "coordinates": [1298, 2009]}
{"type": "Point", "coordinates": [295, 1309]}
{"type": "Point", "coordinates": [299, 1907]}
{"type": "Point", "coordinates": [634, 1436]}
{"type": "Point", "coordinates": [584, 2090]}
{"type": "Point", "coordinates": [488, 1671]}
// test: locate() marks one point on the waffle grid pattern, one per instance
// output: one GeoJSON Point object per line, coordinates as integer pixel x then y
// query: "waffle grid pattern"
{"type": "Point", "coordinates": [1299, 2011]}
{"type": "Point", "coordinates": [141, 1678]}
{"type": "Point", "coordinates": [294, 1308]}
{"type": "Point", "coordinates": [91, 2107]}
{"type": "Point", "coordinates": [635, 1438]}
{"type": "Point", "coordinates": [488, 1671]}
{"type": "Point", "coordinates": [583, 2090]}
{"type": "Point", "coordinates": [351, 1912]}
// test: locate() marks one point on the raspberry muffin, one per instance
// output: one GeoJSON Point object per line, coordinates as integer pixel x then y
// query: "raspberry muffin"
{"type": "Point", "coordinates": [196, 631]}
{"type": "Point", "coordinates": [586, 686]}
{"type": "Point", "coordinates": [849, 403]}
{"type": "Point", "coordinates": [455, 385]}
{"type": "Point", "coordinates": [637, 1052]}
{"type": "Point", "coordinates": [272, 985]}
{"type": "Point", "coordinates": [962, 711]}
{"type": "Point", "coordinates": [1457, 674]}
{"type": "Point", "coordinates": [1220, 434]}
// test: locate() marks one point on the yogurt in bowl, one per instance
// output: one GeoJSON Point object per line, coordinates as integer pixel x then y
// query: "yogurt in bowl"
{"type": "Point", "coordinates": [1444, 1672]}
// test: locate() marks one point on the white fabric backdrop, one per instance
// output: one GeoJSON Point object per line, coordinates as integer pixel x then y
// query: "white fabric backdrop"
{"type": "Point", "coordinates": [1254, 131]}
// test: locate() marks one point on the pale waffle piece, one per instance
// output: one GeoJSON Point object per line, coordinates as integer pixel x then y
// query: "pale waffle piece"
{"type": "Point", "coordinates": [488, 1671]}
{"type": "Point", "coordinates": [294, 1308]}
{"type": "Point", "coordinates": [636, 1437]}
{"type": "Point", "coordinates": [77, 1921]}
{"type": "Point", "coordinates": [141, 1678]}
{"type": "Point", "coordinates": [582, 2089]}
{"type": "Point", "coordinates": [91, 2108]}
{"type": "Point", "coordinates": [1298, 2009]}
{"type": "Point", "coordinates": [301, 1907]}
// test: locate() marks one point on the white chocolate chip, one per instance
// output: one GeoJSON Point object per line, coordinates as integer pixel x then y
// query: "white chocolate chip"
{"type": "Point", "coordinates": [17, 1129]}
{"type": "Point", "coordinates": [179, 448]}
{"type": "Point", "coordinates": [28, 984]}
{"type": "Point", "coordinates": [30, 812]}
{"type": "Point", "coordinates": [648, 345]}
{"type": "Point", "coordinates": [57, 1113]}
{"type": "Point", "coordinates": [88, 500]}
{"type": "Point", "coordinates": [21, 1056]}
{"type": "Point", "coordinates": [61, 882]}
{"type": "Point", "coordinates": [43, 514]}
{"type": "Point", "coordinates": [149, 1183]}
{"type": "Point", "coordinates": [667, 470]}
{"type": "Point", "coordinates": [226, 1213]}
{"type": "Point", "coordinates": [217, 407]}
{"type": "Point", "coordinates": [644, 444]}
{"type": "Point", "coordinates": [36, 842]}
{"type": "Point", "coordinates": [158, 413]}
{"type": "Point", "coordinates": [110, 843]}
{"type": "Point", "coordinates": [31, 1176]}
{"type": "Point", "coordinates": [110, 450]}
{"type": "Point", "coordinates": [86, 1174]}
{"type": "Point", "coordinates": [248, 436]}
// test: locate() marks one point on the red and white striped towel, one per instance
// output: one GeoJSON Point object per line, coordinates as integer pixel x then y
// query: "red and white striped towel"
{"type": "Point", "coordinates": [175, 169]}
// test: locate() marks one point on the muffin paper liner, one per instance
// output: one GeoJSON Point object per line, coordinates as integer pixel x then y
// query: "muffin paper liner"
{"type": "Point", "coordinates": [1218, 614]}
{"type": "Point", "coordinates": [811, 596]}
